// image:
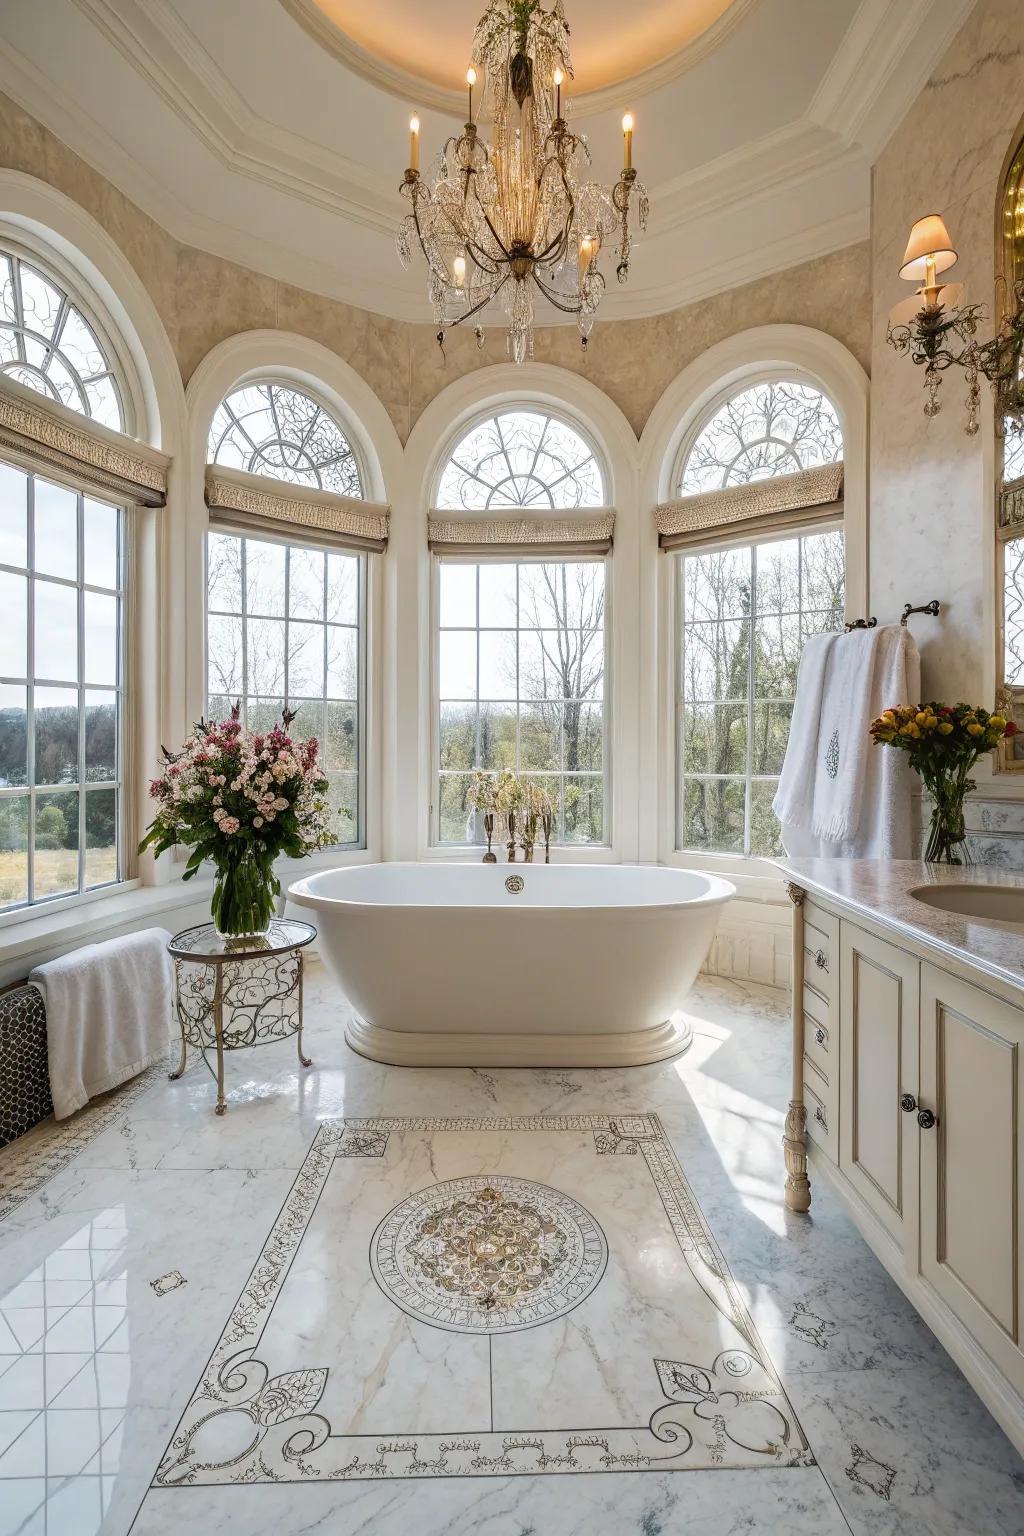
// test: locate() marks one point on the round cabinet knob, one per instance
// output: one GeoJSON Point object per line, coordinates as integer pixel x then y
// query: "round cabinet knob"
{"type": "Point", "coordinates": [821, 960]}
{"type": "Point", "coordinates": [908, 1103]}
{"type": "Point", "coordinates": [819, 1035]}
{"type": "Point", "coordinates": [925, 1119]}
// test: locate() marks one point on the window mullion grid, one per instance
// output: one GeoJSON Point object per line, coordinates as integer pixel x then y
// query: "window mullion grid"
{"type": "Point", "coordinates": [362, 606]}
{"type": "Point", "coordinates": [30, 691]}
{"type": "Point", "coordinates": [747, 787]}
{"type": "Point", "coordinates": [476, 599]}
{"type": "Point", "coordinates": [80, 515]}
{"type": "Point", "coordinates": [287, 619]}
{"type": "Point", "coordinates": [244, 605]}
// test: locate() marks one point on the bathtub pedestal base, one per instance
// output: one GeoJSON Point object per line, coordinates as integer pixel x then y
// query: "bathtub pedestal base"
{"type": "Point", "coordinates": [435, 1048]}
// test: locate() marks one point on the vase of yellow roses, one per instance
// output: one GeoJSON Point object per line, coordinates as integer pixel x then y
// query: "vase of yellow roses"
{"type": "Point", "coordinates": [943, 742]}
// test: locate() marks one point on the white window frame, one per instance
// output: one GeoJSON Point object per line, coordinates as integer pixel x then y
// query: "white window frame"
{"type": "Point", "coordinates": [121, 691]}
{"type": "Point", "coordinates": [362, 645]}
{"type": "Point", "coordinates": [498, 558]}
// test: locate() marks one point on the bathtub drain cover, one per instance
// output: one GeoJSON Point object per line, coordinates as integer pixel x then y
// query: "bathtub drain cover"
{"type": "Point", "coordinates": [488, 1254]}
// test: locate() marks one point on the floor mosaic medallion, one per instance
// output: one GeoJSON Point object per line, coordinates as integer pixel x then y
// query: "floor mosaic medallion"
{"type": "Point", "coordinates": [468, 1297]}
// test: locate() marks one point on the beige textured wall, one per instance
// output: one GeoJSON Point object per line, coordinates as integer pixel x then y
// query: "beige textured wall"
{"type": "Point", "coordinates": [203, 299]}
{"type": "Point", "coordinates": [931, 486]}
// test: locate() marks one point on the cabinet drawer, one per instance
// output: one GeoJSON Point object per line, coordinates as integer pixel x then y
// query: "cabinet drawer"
{"type": "Point", "coordinates": [821, 951]}
{"type": "Point", "coordinates": [819, 1101]}
{"type": "Point", "coordinates": [821, 1039]}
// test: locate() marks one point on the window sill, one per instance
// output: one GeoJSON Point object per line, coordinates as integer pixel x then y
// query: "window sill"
{"type": "Point", "coordinates": [755, 879]}
{"type": "Point", "coordinates": [32, 933]}
{"type": "Point", "coordinates": [79, 922]}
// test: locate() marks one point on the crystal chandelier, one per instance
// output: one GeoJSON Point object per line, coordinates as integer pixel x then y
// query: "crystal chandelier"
{"type": "Point", "coordinates": [519, 217]}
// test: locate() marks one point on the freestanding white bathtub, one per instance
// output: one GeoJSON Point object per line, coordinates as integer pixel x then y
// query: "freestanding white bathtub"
{"type": "Point", "coordinates": [518, 965]}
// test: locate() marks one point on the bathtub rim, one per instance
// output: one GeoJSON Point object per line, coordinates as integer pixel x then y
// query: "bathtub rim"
{"type": "Point", "coordinates": [721, 890]}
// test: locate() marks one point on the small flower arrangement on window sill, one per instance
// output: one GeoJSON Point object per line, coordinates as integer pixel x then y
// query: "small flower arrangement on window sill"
{"type": "Point", "coordinates": [943, 742]}
{"type": "Point", "coordinates": [239, 799]}
{"type": "Point", "coordinates": [522, 805]}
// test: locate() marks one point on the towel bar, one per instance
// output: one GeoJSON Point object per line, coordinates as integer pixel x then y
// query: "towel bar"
{"type": "Point", "coordinates": [908, 608]}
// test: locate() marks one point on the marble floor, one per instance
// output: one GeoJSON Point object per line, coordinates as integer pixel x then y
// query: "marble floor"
{"type": "Point", "coordinates": [272, 1323]}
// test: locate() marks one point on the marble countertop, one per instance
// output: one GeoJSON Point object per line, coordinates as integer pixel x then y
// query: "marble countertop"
{"type": "Point", "coordinates": [880, 890]}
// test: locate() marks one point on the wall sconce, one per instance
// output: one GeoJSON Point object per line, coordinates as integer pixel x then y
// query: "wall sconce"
{"type": "Point", "coordinates": [938, 338]}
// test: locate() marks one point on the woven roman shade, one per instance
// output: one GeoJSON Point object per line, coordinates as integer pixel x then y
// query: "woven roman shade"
{"type": "Point", "coordinates": [780, 505]}
{"type": "Point", "coordinates": [568, 535]}
{"type": "Point", "coordinates": [277, 509]}
{"type": "Point", "coordinates": [46, 438]}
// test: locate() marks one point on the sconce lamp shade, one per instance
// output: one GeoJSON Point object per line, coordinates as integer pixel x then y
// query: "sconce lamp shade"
{"type": "Point", "coordinates": [928, 238]}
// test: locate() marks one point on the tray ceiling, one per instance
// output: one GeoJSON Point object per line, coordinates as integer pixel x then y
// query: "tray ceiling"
{"type": "Point", "coordinates": [262, 131]}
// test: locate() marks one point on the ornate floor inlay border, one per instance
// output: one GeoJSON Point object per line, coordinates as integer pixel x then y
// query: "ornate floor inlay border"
{"type": "Point", "coordinates": [32, 1161]}
{"type": "Point", "coordinates": [250, 1422]}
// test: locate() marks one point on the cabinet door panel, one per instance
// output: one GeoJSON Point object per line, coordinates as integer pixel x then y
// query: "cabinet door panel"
{"type": "Point", "coordinates": [972, 1160]}
{"type": "Point", "coordinates": [878, 1054]}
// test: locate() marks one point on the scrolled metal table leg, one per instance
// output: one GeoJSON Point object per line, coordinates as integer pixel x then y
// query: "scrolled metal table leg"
{"type": "Point", "coordinates": [307, 1061]}
{"type": "Point", "coordinates": [181, 1024]}
{"type": "Point", "coordinates": [218, 1026]}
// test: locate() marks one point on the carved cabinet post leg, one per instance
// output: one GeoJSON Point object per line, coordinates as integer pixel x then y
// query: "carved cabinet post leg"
{"type": "Point", "coordinates": [794, 1140]}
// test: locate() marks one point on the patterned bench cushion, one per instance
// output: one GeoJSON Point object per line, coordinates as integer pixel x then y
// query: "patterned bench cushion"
{"type": "Point", "coordinates": [24, 1072]}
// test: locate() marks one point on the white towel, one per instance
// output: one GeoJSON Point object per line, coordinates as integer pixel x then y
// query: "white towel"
{"type": "Point", "coordinates": [844, 797]}
{"type": "Point", "coordinates": [793, 803]}
{"type": "Point", "coordinates": [108, 1014]}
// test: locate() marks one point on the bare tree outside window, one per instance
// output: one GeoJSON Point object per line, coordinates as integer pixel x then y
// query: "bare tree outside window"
{"type": "Point", "coordinates": [278, 431]}
{"type": "Point", "coordinates": [284, 622]}
{"type": "Point", "coordinates": [772, 428]}
{"type": "Point", "coordinates": [746, 613]}
{"type": "Point", "coordinates": [521, 648]}
{"type": "Point", "coordinates": [283, 628]}
{"type": "Point", "coordinates": [521, 459]}
{"type": "Point", "coordinates": [521, 675]}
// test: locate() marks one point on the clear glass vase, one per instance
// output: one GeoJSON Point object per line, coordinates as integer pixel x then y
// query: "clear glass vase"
{"type": "Point", "coordinates": [946, 831]}
{"type": "Point", "coordinates": [245, 890]}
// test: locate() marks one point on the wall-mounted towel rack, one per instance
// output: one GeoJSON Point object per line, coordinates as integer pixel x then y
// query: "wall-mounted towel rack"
{"type": "Point", "coordinates": [908, 609]}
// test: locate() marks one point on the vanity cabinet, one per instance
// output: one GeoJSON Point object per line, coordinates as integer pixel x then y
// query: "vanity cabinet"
{"type": "Point", "coordinates": [878, 1048]}
{"type": "Point", "coordinates": [912, 1081]}
{"type": "Point", "coordinates": [972, 1161]}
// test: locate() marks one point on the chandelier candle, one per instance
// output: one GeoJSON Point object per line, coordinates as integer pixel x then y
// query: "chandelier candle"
{"type": "Point", "coordinates": [503, 222]}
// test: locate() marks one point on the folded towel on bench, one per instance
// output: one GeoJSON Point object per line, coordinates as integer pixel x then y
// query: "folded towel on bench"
{"type": "Point", "coordinates": [108, 1014]}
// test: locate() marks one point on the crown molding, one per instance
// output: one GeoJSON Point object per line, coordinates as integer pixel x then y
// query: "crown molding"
{"type": "Point", "coordinates": [782, 161]}
{"type": "Point", "coordinates": [876, 73]}
{"type": "Point", "coordinates": [151, 37]}
{"type": "Point", "coordinates": [410, 87]}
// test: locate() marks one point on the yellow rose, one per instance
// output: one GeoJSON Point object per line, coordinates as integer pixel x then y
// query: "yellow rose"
{"type": "Point", "coordinates": [974, 729]}
{"type": "Point", "coordinates": [921, 717]}
{"type": "Point", "coordinates": [945, 728]}
{"type": "Point", "coordinates": [997, 722]}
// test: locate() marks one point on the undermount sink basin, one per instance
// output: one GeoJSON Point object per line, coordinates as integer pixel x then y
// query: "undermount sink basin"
{"type": "Point", "coordinates": [991, 903]}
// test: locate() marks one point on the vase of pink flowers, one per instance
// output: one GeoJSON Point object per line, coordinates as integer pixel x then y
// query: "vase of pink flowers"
{"type": "Point", "coordinates": [238, 799]}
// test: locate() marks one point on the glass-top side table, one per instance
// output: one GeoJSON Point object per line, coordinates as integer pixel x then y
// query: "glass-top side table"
{"type": "Point", "coordinates": [236, 992]}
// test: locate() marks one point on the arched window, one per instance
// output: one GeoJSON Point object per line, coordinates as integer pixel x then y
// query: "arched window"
{"type": "Point", "coordinates": [521, 642]}
{"type": "Point", "coordinates": [521, 459]}
{"type": "Point", "coordinates": [775, 427]}
{"type": "Point", "coordinates": [747, 605]}
{"type": "Point", "coordinates": [286, 616]}
{"type": "Point", "coordinates": [1010, 455]}
{"type": "Point", "coordinates": [283, 433]}
{"type": "Point", "coordinates": [62, 575]}
{"type": "Point", "coordinates": [48, 344]}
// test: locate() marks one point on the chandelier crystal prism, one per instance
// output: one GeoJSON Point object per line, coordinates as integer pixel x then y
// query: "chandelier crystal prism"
{"type": "Point", "coordinates": [520, 217]}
